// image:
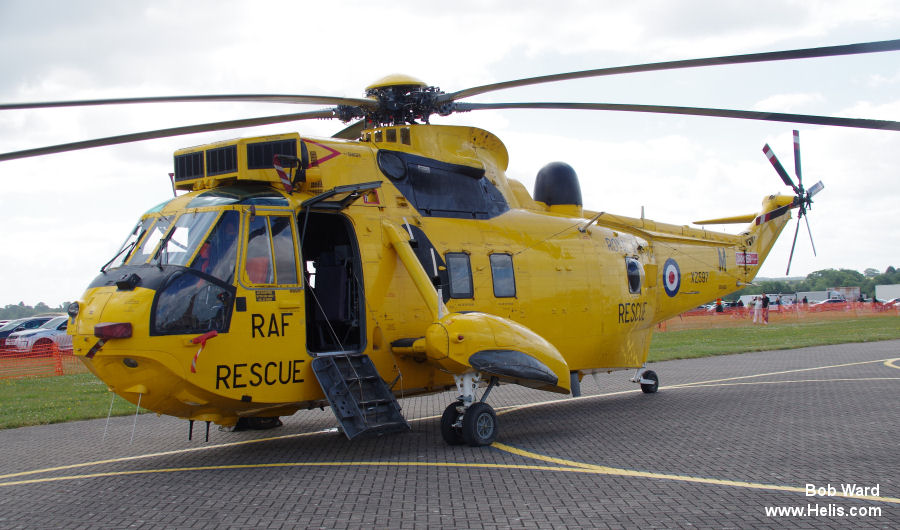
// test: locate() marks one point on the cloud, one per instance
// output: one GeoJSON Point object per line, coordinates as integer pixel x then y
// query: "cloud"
{"type": "Point", "coordinates": [789, 102]}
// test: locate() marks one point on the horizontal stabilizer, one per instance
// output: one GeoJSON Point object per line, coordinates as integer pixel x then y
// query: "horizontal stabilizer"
{"type": "Point", "coordinates": [728, 220]}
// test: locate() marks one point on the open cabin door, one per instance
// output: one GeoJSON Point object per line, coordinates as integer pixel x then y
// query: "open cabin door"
{"type": "Point", "coordinates": [335, 317]}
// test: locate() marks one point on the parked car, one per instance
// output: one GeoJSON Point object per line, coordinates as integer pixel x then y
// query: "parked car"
{"type": "Point", "coordinates": [832, 304]}
{"type": "Point", "coordinates": [38, 341]}
{"type": "Point", "coordinates": [892, 303]}
{"type": "Point", "coordinates": [21, 324]}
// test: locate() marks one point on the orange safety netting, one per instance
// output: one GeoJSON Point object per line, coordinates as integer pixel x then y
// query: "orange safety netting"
{"type": "Point", "coordinates": [40, 361]}
{"type": "Point", "coordinates": [778, 314]}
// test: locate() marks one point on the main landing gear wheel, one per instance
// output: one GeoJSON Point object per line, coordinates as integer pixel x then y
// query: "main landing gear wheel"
{"type": "Point", "coordinates": [450, 419]}
{"type": "Point", "coordinates": [479, 425]}
{"type": "Point", "coordinates": [650, 388]}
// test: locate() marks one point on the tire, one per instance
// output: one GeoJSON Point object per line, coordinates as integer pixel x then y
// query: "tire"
{"type": "Point", "coordinates": [452, 435]}
{"type": "Point", "coordinates": [479, 427]}
{"type": "Point", "coordinates": [650, 388]}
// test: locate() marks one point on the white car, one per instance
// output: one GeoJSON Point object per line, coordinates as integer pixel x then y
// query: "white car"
{"type": "Point", "coordinates": [38, 340]}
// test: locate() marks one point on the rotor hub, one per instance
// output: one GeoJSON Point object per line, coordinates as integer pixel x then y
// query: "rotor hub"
{"type": "Point", "coordinates": [401, 100]}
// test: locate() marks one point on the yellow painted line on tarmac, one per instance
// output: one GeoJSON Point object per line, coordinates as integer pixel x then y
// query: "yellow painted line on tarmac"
{"type": "Point", "coordinates": [779, 373]}
{"type": "Point", "coordinates": [604, 470]}
{"type": "Point", "coordinates": [794, 381]}
{"type": "Point", "coordinates": [226, 467]}
{"type": "Point", "coordinates": [153, 455]}
{"type": "Point", "coordinates": [892, 363]}
{"type": "Point", "coordinates": [565, 466]}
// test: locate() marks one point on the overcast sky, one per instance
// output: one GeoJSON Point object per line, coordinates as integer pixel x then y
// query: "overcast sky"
{"type": "Point", "coordinates": [65, 215]}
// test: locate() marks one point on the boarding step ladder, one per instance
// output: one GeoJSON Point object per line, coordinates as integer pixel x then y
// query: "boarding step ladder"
{"type": "Point", "coordinates": [359, 398]}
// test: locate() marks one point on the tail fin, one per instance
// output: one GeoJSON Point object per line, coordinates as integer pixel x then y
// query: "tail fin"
{"type": "Point", "coordinates": [763, 231]}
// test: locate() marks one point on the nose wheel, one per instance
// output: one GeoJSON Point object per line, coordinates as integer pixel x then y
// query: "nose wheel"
{"type": "Point", "coordinates": [467, 421]}
{"type": "Point", "coordinates": [479, 425]}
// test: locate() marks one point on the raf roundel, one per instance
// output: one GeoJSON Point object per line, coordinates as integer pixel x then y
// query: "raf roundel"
{"type": "Point", "coordinates": [671, 277]}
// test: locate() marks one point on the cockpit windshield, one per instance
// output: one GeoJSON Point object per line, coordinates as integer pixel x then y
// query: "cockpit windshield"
{"type": "Point", "coordinates": [127, 248]}
{"type": "Point", "coordinates": [182, 241]}
{"type": "Point", "coordinates": [165, 239]}
{"type": "Point", "coordinates": [167, 242]}
{"type": "Point", "coordinates": [155, 228]}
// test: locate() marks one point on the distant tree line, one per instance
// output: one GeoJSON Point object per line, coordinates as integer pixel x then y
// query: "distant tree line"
{"type": "Point", "coordinates": [21, 310]}
{"type": "Point", "coordinates": [823, 280]}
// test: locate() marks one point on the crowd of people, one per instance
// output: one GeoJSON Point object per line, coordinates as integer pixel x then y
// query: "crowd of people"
{"type": "Point", "coordinates": [760, 306]}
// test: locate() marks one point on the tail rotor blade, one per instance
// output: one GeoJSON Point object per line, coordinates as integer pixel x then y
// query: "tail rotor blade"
{"type": "Point", "coordinates": [797, 158]}
{"type": "Point", "coordinates": [816, 188]}
{"type": "Point", "coordinates": [810, 235]}
{"type": "Point", "coordinates": [779, 168]}
{"type": "Point", "coordinates": [794, 244]}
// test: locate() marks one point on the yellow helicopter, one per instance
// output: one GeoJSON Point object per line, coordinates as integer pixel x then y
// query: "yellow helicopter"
{"type": "Point", "coordinates": [396, 258]}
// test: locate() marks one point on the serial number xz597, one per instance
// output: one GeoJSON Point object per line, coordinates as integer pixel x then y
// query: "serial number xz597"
{"type": "Point", "coordinates": [699, 277]}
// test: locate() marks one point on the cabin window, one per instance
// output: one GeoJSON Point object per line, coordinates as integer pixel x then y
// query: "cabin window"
{"type": "Point", "coordinates": [460, 271]}
{"type": "Point", "coordinates": [503, 275]}
{"type": "Point", "coordinates": [633, 271]}
{"type": "Point", "coordinates": [268, 234]}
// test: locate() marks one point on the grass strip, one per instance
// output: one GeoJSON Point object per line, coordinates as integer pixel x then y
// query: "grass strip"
{"type": "Point", "coordinates": [688, 344]}
{"type": "Point", "coordinates": [41, 400]}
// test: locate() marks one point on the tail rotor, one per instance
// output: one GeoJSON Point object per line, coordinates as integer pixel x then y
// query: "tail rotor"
{"type": "Point", "coordinates": [803, 199]}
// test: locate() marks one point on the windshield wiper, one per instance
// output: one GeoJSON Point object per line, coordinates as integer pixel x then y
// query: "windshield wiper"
{"type": "Point", "coordinates": [127, 247]}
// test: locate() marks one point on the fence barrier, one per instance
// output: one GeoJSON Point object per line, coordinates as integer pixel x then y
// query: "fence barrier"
{"type": "Point", "coordinates": [42, 360]}
{"type": "Point", "coordinates": [777, 314]}
{"type": "Point", "coordinates": [48, 360]}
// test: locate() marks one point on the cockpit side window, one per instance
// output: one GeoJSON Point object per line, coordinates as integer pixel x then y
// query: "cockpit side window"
{"type": "Point", "coordinates": [218, 254]}
{"type": "Point", "coordinates": [258, 264]}
{"type": "Point", "coordinates": [270, 241]}
{"type": "Point", "coordinates": [285, 255]}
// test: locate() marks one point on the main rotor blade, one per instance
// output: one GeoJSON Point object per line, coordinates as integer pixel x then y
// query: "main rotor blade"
{"type": "Point", "coordinates": [806, 53]}
{"type": "Point", "coordinates": [779, 168]}
{"type": "Point", "coordinates": [258, 98]}
{"type": "Point", "coordinates": [352, 131]}
{"type": "Point", "coordinates": [694, 111]}
{"type": "Point", "coordinates": [797, 158]}
{"type": "Point", "coordinates": [165, 133]}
